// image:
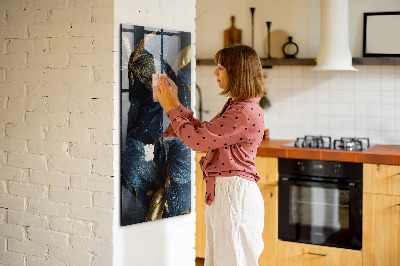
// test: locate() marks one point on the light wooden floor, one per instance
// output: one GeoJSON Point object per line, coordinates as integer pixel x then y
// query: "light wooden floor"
{"type": "Point", "coordinates": [199, 262]}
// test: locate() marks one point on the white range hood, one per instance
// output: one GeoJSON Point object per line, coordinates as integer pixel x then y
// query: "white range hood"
{"type": "Point", "coordinates": [334, 51]}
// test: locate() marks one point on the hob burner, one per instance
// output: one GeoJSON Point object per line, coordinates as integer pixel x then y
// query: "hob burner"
{"type": "Point", "coordinates": [351, 144]}
{"type": "Point", "coordinates": [321, 142]}
{"type": "Point", "coordinates": [324, 142]}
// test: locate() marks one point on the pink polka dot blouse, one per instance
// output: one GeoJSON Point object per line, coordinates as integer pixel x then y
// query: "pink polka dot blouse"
{"type": "Point", "coordinates": [231, 139]}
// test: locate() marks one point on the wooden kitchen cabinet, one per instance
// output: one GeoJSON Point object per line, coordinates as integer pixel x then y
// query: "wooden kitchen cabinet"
{"type": "Point", "coordinates": [270, 233]}
{"type": "Point", "coordinates": [298, 254]}
{"type": "Point", "coordinates": [381, 215]}
{"type": "Point", "coordinates": [381, 230]}
{"type": "Point", "coordinates": [267, 167]}
{"type": "Point", "coordinates": [381, 179]}
{"type": "Point", "coordinates": [200, 209]}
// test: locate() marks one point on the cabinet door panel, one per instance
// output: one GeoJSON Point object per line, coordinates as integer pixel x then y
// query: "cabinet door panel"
{"type": "Point", "coordinates": [297, 254]}
{"type": "Point", "coordinates": [200, 209]}
{"type": "Point", "coordinates": [267, 168]}
{"type": "Point", "coordinates": [270, 233]}
{"type": "Point", "coordinates": [381, 230]}
{"type": "Point", "coordinates": [381, 179]}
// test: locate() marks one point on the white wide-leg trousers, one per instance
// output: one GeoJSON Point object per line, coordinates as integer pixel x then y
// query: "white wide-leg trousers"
{"type": "Point", "coordinates": [234, 223]}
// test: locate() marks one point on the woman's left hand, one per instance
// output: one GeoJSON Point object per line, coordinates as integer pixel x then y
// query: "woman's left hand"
{"type": "Point", "coordinates": [163, 90]}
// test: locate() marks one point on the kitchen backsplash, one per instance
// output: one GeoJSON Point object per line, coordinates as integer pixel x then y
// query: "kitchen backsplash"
{"type": "Point", "coordinates": [337, 104]}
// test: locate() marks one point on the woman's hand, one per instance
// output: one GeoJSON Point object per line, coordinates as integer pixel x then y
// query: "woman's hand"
{"type": "Point", "coordinates": [164, 92]}
{"type": "Point", "coordinates": [173, 88]}
{"type": "Point", "coordinates": [174, 91]}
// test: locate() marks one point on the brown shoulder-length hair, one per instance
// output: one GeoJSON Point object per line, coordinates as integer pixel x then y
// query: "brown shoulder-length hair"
{"type": "Point", "coordinates": [245, 78]}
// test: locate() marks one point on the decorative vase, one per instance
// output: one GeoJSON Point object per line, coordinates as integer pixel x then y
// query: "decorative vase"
{"type": "Point", "coordinates": [290, 49]}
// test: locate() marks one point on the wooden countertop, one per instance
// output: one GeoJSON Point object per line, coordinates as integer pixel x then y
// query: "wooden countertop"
{"type": "Point", "coordinates": [379, 154]}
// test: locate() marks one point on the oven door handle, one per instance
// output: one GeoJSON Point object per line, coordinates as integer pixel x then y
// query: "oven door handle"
{"type": "Point", "coordinates": [330, 184]}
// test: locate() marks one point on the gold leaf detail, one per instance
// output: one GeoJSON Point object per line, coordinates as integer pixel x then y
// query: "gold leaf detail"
{"type": "Point", "coordinates": [157, 205]}
{"type": "Point", "coordinates": [127, 44]}
{"type": "Point", "coordinates": [183, 58]}
{"type": "Point", "coordinates": [141, 45]}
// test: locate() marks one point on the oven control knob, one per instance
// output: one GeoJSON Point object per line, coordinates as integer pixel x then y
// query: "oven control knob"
{"type": "Point", "coordinates": [336, 169]}
{"type": "Point", "coordinates": [302, 167]}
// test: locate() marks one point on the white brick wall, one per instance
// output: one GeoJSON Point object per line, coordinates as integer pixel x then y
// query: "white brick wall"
{"type": "Point", "coordinates": [56, 122]}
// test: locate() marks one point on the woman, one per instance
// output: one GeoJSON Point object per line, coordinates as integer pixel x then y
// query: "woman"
{"type": "Point", "coordinates": [235, 207]}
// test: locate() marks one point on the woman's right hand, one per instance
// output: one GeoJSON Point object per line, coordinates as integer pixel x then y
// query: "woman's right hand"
{"type": "Point", "coordinates": [174, 91]}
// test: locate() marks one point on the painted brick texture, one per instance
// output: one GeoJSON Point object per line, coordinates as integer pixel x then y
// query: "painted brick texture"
{"type": "Point", "coordinates": [56, 127]}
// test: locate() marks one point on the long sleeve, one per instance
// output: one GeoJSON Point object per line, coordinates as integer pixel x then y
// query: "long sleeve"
{"type": "Point", "coordinates": [225, 130]}
{"type": "Point", "coordinates": [231, 138]}
{"type": "Point", "coordinates": [186, 113]}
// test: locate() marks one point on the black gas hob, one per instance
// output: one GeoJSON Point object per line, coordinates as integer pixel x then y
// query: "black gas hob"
{"type": "Point", "coordinates": [325, 142]}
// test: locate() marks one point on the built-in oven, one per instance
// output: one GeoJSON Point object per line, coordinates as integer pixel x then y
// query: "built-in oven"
{"type": "Point", "coordinates": [320, 202]}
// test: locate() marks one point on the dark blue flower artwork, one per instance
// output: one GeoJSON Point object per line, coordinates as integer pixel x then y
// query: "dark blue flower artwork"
{"type": "Point", "coordinates": [155, 171]}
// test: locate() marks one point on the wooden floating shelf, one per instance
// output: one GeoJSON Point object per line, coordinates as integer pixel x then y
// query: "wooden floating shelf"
{"type": "Point", "coordinates": [265, 62]}
{"type": "Point", "coordinates": [376, 61]}
{"type": "Point", "coordinates": [288, 62]}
